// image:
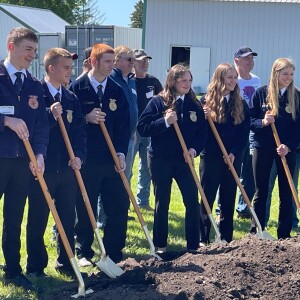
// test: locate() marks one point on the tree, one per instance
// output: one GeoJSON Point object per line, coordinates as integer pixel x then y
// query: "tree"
{"type": "Point", "coordinates": [87, 13]}
{"type": "Point", "coordinates": [64, 9]}
{"type": "Point", "coordinates": [136, 17]}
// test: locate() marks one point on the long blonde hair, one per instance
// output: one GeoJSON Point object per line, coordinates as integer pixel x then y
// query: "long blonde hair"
{"type": "Point", "coordinates": [273, 89]}
{"type": "Point", "coordinates": [215, 98]}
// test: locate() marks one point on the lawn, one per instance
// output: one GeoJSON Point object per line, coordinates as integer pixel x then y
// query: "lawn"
{"type": "Point", "coordinates": [136, 246]}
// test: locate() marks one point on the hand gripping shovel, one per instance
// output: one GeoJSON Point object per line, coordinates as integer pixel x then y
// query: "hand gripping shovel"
{"type": "Point", "coordinates": [286, 168]}
{"type": "Point", "coordinates": [128, 189]}
{"type": "Point", "coordinates": [81, 288]}
{"type": "Point", "coordinates": [197, 181]}
{"type": "Point", "coordinates": [260, 233]}
{"type": "Point", "coordinates": [105, 264]}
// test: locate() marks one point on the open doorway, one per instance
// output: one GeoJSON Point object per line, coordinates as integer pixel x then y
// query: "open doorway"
{"type": "Point", "coordinates": [180, 55]}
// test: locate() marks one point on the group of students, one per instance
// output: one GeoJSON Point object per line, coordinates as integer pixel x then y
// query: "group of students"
{"type": "Point", "coordinates": [29, 111]}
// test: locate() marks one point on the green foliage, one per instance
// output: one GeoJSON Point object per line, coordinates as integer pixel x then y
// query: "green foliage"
{"type": "Point", "coordinates": [87, 13]}
{"type": "Point", "coordinates": [64, 9]}
{"type": "Point", "coordinates": [136, 18]}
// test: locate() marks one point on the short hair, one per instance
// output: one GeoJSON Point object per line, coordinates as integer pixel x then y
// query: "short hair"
{"type": "Point", "coordinates": [16, 35]}
{"type": "Point", "coordinates": [99, 49]}
{"type": "Point", "coordinates": [53, 54]}
{"type": "Point", "coordinates": [122, 50]}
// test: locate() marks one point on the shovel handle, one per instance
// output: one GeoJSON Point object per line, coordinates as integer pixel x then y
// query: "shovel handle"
{"type": "Point", "coordinates": [49, 200]}
{"type": "Point", "coordinates": [77, 173]}
{"type": "Point", "coordinates": [196, 179]}
{"type": "Point", "coordinates": [122, 174]}
{"type": "Point", "coordinates": [190, 163]}
{"type": "Point", "coordinates": [286, 168]}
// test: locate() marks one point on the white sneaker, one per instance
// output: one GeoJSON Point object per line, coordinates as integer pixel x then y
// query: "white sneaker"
{"type": "Point", "coordinates": [83, 262]}
{"type": "Point", "coordinates": [161, 250]}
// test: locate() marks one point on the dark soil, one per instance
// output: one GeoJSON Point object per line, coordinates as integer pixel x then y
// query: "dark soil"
{"type": "Point", "coordinates": [244, 269]}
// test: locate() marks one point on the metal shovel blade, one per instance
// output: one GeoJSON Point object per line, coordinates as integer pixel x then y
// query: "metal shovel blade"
{"type": "Point", "coordinates": [264, 235]}
{"type": "Point", "coordinates": [82, 293]}
{"type": "Point", "coordinates": [106, 265]}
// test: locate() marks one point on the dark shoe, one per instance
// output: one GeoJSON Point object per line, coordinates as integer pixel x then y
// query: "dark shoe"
{"type": "Point", "coordinates": [21, 281]}
{"type": "Point", "coordinates": [37, 274]}
{"type": "Point", "coordinates": [244, 214]}
{"type": "Point", "coordinates": [130, 218]}
{"type": "Point", "coordinates": [253, 230]}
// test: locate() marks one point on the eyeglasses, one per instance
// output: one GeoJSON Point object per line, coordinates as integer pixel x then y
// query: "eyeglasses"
{"type": "Point", "coordinates": [131, 59]}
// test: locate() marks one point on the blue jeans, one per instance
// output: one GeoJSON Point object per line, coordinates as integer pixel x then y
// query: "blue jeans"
{"type": "Point", "coordinates": [144, 178]}
{"type": "Point", "coordinates": [247, 181]}
{"type": "Point", "coordinates": [272, 180]}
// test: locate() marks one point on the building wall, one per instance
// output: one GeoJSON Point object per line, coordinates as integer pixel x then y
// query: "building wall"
{"type": "Point", "coordinates": [7, 23]}
{"type": "Point", "coordinates": [271, 29]}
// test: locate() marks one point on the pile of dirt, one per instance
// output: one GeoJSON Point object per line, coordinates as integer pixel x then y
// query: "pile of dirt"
{"type": "Point", "coordinates": [245, 269]}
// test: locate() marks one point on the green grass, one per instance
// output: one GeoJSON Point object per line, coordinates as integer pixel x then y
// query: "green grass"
{"type": "Point", "coordinates": [136, 246]}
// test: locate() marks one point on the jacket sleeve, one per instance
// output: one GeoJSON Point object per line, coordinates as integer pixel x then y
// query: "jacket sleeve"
{"type": "Point", "coordinates": [152, 121]}
{"type": "Point", "coordinates": [256, 115]}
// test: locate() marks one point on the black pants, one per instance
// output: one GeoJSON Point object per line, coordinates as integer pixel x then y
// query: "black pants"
{"type": "Point", "coordinates": [14, 184]}
{"type": "Point", "coordinates": [215, 174]}
{"type": "Point", "coordinates": [102, 179]}
{"type": "Point", "coordinates": [162, 173]}
{"type": "Point", "coordinates": [262, 164]}
{"type": "Point", "coordinates": [63, 188]}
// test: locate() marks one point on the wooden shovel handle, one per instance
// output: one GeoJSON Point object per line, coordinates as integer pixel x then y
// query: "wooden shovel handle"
{"type": "Point", "coordinates": [49, 200]}
{"type": "Point", "coordinates": [77, 173]}
{"type": "Point", "coordinates": [286, 167]}
{"type": "Point", "coordinates": [190, 163]}
{"type": "Point", "coordinates": [122, 174]}
{"type": "Point", "coordinates": [231, 167]}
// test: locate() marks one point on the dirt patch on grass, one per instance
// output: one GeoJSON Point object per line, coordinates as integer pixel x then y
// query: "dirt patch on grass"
{"type": "Point", "coordinates": [245, 269]}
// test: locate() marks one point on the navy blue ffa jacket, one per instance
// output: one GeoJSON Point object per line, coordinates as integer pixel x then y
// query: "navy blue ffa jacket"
{"type": "Point", "coordinates": [129, 89]}
{"type": "Point", "coordinates": [164, 141]}
{"type": "Point", "coordinates": [234, 137]}
{"type": "Point", "coordinates": [117, 122]}
{"type": "Point", "coordinates": [57, 155]}
{"type": "Point", "coordinates": [30, 108]}
{"type": "Point", "coordinates": [288, 129]}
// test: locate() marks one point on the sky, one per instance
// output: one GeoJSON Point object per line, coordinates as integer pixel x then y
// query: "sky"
{"type": "Point", "coordinates": [117, 12]}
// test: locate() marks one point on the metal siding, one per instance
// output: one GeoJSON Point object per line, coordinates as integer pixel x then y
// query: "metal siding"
{"type": "Point", "coordinates": [130, 37]}
{"type": "Point", "coordinates": [7, 23]}
{"type": "Point", "coordinates": [223, 27]}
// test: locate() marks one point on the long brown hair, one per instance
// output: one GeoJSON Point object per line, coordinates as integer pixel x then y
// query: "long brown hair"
{"type": "Point", "coordinates": [215, 96]}
{"type": "Point", "coordinates": [169, 91]}
{"type": "Point", "coordinates": [273, 89]}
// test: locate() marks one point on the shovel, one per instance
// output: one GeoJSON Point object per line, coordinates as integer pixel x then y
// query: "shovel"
{"type": "Point", "coordinates": [105, 264]}
{"type": "Point", "coordinates": [261, 234]}
{"type": "Point", "coordinates": [286, 168]}
{"type": "Point", "coordinates": [197, 181]}
{"type": "Point", "coordinates": [81, 288]}
{"type": "Point", "coordinates": [128, 189]}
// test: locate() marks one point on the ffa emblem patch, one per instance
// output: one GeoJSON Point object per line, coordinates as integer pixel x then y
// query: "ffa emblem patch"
{"type": "Point", "coordinates": [112, 104]}
{"type": "Point", "coordinates": [288, 109]}
{"type": "Point", "coordinates": [193, 116]}
{"type": "Point", "coordinates": [33, 102]}
{"type": "Point", "coordinates": [69, 115]}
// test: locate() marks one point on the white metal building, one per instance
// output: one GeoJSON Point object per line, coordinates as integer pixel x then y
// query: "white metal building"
{"type": "Point", "coordinates": [207, 33]}
{"type": "Point", "coordinates": [49, 28]}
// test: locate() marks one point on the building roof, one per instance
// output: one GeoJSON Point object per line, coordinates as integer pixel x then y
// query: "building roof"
{"type": "Point", "coordinates": [263, 1]}
{"type": "Point", "coordinates": [37, 19]}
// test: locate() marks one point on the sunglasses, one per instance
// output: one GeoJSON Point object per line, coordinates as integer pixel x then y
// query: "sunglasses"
{"type": "Point", "coordinates": [131, 59]}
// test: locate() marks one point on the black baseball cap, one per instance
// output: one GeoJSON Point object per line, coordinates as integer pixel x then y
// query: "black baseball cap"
{"type": "Point", "coordinates": [87, 52]}
{"type": "Point", "coordinates": [243, 52]}
{"type": "Point", "coordinates": [140, 54]}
